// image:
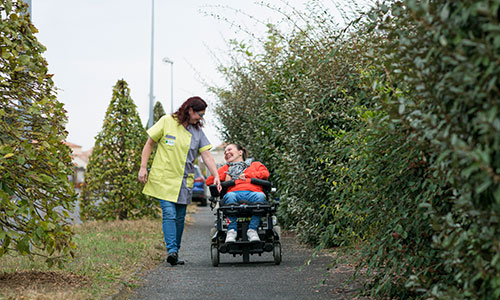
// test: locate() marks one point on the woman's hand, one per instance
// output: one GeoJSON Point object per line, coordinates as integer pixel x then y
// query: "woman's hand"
{"type": "Point", "coordinates": [217, 182]}
{"type": "Point", "coordinates": [242, 176]}
{"type": "Point", "coordinates": [146, 152]}
{"type": "Point", "coordinates": [143, 175]}
{"type": "Point", "coordinates": [210, 162]}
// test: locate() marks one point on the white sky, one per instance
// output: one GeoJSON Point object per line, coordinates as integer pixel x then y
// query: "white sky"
{"type": "Point", "coordinates": [93, 43]}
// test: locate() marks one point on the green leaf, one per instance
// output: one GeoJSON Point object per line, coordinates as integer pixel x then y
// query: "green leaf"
{"type": "Point", "coordinates": [23, 246]}
{"type": "Point", "coordinates": [483, 186]}
{"type": "Point", "coordinates": [24, 59]}
{"type": "Point", "coordinates": [5, 54]}
{"type": "Point", "coordinates": [21, 160]}
{"type": "Point", "coordinates": [8, 155]}
{"type": "Point", "coordinates": [445, 13]}
{"type": "Point", "coordinates": [443, 41]}
{"type": "Point", "coordinates": [401, 109]}
{"type": "Point", "coordinates": [8, 6]}
{"type": "Point", "coordinates": [471, 169]}
{"type": "Point", "coordinates": [496, 195]}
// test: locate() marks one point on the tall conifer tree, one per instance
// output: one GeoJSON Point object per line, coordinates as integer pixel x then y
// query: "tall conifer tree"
{"type": "Point", "coordinates": [111, 189]}
{"type": "Point", "coordinates": [158, 112]}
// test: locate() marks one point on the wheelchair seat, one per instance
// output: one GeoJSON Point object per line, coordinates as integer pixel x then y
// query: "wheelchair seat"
{"type": "Point", "coordinates": [242, 209]}
{"type": "Point", "coordinates": [269, 232]}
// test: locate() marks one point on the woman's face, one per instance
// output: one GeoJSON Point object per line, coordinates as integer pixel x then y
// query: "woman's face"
{"type": "Point", "coordinates": [232, 154]}
{"type": "Point", "coordinates": [195, 116]}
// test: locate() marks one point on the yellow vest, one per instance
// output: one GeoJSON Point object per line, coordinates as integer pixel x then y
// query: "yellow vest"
{"type": "Point", "coordinates": [165, 179]}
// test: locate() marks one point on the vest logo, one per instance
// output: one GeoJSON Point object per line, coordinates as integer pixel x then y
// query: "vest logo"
{"type": "Point", "coordinates": [170, 140]}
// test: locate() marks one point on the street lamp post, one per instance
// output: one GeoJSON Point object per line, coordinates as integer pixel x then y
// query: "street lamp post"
{"type": "Point", "coordinates": [169, 61]}
{"type": "Point", "coordinates": [151, 75]}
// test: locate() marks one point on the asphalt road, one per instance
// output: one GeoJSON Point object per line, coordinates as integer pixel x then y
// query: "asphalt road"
{"type": "Point", "coordinates": [232, 279]}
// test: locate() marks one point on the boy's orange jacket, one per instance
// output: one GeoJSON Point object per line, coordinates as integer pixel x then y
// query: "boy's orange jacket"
{"type": "Point", "coordinates": [255, 170]}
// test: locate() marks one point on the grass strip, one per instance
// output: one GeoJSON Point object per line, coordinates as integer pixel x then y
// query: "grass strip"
{"type": "Point", "coordinates": [110, 257]}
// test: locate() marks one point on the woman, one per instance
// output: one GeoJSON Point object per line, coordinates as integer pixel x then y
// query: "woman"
{"type": "Point", "coordinates": [241, 169]}
{"type": "Point", "coordinates": [180, 139]}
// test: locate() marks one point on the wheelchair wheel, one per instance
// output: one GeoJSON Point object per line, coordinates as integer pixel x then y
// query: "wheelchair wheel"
{"type": "Point", "coordinates": [214, 253]}
{"type": "Point", "coordinates": [277, 253]}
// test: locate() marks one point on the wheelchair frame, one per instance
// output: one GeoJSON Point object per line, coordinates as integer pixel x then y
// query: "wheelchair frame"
{"type": "Point", "coordinates": [269, 232]}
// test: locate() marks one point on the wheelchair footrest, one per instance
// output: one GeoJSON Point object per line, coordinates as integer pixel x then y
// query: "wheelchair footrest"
{"type": "Point", "coordinates": [240, 247]}
{"type": "Point", "coordinates": [243, 210]}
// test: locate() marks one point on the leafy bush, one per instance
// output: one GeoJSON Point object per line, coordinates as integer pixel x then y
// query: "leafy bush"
{"type": "Point", "coordinates": [383, 135]}
{"type": "Point", "coordinates": [111, 189]}
{"type": "Point", "coordinates": [35, 194]}
{"type": "Point", "coordinates": [445, 55]}
{"type": "Point", "coordinates": [289, 105]}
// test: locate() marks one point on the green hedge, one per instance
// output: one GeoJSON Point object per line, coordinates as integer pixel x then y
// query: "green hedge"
{"type": "Point", "coordinates": [385, 136]}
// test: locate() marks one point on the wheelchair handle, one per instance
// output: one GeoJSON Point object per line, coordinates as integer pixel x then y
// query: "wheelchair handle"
{"type": "Point", "coordinates": [261, 182]}
{"type": "Point", "coordinates": [213, 188]}
{"type": "Point", "coordinates": [228, 183]}
{"type": "Point", "coordinates": [224, 184]}
{"type": "Point", "coordinates": [264, 183]}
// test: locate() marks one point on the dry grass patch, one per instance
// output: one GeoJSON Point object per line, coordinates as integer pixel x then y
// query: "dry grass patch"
{"type": "Point", "coordinates": [44, 285]}
{"type": "Point", "coordinates": [110, 255]}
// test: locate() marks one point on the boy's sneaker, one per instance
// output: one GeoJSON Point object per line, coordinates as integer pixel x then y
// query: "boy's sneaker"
{"type": "Point", "coordinates": [252, 235]}
{"type": "Point", "coordinates": [231, 236]}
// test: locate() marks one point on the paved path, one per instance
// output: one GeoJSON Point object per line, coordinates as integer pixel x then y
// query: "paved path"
{"type": "Point", "coordinates": [232, 279]}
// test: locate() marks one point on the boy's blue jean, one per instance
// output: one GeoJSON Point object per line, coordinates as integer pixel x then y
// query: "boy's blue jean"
{"type": "Point", "coordinates": [250, 198]}
{"type": "Point", "coordinates": [173, 224]}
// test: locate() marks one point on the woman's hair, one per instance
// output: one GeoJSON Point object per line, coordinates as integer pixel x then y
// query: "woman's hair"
{"type": "Point", "coordinates": [182, 114]}
{"type": "Point", "coordinates": [241, 148]}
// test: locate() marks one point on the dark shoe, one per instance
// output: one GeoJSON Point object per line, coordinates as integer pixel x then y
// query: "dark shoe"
{"type": "Point", "coordinates": [172, 258]}
{"type": "Point", "coordinates": [180, 261]}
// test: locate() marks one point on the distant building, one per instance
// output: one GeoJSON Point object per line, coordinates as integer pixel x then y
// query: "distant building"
{"type": "Point", "coordinates": [80, 159]}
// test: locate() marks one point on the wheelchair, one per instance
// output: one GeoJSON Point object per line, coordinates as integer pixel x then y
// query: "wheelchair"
{"type": "Point", "coordinates": [269, 231]}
